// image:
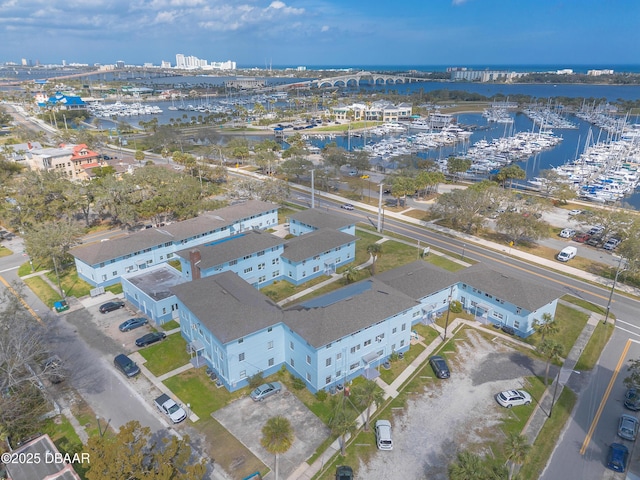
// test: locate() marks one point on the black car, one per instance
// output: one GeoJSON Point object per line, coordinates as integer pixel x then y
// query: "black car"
{"type": "Point", "coordinates": [439, 366]}
{"type": "Point", "coordinates": [126, 365]}
{"type": "Point", "coordinates": [344, 472]}
{"type": "Point", "coordinates": [150, 338]}
{"type": "Point", "coordinates": [111, 306]}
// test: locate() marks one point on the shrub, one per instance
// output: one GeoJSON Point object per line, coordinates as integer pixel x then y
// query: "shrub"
{"type": "Point", "coordinates": [297, 382]}
{"type": "Point", "coordinates": [321, 395]}
{"type": "Point", "coordinates": [455, 306]}
{"type": "Point", "coordinates": [256, 380]}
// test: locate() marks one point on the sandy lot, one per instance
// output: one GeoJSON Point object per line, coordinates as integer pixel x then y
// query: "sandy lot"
{"type": "Point", "coordinates": [454, 414]}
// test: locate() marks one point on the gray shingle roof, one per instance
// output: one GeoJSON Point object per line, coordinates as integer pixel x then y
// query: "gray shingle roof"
{"type": "Point", "coordinates": [322, 325]}
{"type": "Point", "coordinates": [228, 306]}
{"type": "Point", "coordinates": [418, 279]}
{"type": "Point", "coordinates": [524, 293]}
{"type": "Point", "coordinates": [316, 218]}
{"type": "Point", "coordinates": [95, 253]}
{"type": "Point", "coordinates": [232, 248]}
{"type": "Point", "coordinates": [315, 243]}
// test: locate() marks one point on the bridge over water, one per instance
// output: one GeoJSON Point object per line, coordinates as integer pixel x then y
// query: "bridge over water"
{"type": "Point", "coordinates": [354, 79]}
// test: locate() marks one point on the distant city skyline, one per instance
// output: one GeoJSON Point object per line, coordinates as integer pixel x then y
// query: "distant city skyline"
{"type": "Point", "coordinates": [322, 32]}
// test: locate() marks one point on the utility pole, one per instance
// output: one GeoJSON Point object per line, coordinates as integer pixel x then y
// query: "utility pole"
{"type": "Point", "coordinates": [313, 190]}
{"type": "Point", "coordinates": [380, 209]}
{"type": "Point", "coordinates": [613, 287]}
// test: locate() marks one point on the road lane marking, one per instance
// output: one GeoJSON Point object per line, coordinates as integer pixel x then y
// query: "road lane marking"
{"type": "Point", "coordinates": [627, 323]}
{"type": "Point", "coordinates": [29, 309]}
{"type": "Point", "coordinates": [9, 269]}
{"type": "Point", "coordinates": [607, 392]}
{"type": "Point", "coordinates": [628, 331]}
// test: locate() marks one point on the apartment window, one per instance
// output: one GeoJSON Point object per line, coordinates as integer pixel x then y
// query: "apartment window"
{"type": "Point", "coordinates": [240, 340]}
{"type": "Point", "coordinates": [308, 360]}
{"type": "Point", "coordinates": [248, 270]}
{"type": "Point", "coordinates": [316, 257]}
{"type": "Point", "coordinates": [395, 329]}
{"type": "Point", "coordinates": [308, 377]}
{"type": "Point", "coordinates": [291, 345]}
{"type": "Point", "coordinates": [292, 362]}
{"type": "Point", "coordinates": [401, 343]}
{"type": "Point", "coordinates": [115, 273]}
{"type": "Point", "coordinates": [276, 273]}
{"type": "Point", "coordinates": [271, 362]}
{"type": "Point", "coordinates": [262, 279]}
{"type": "Point", "coordinates": [269, 329]}
{"type": "Point", "coordinates": [516, 324]}
{"type": "Point", "coordinates": [355, 348]}
{"type": "Point", "coordinates": [327, 362]}
{"type": "Point", "coordinates": [367, 342]}
{"type": "Point", "coordinates": [404, 327]}
{"type": "Point", "coordinates": [338, 373]}
{"type": "Point", "coordinates": [327, 380]}
{"type": "Point", "coordinates": [316, 269]}
{"type": "Point", "coordinates": [338, 356]}
{"type": "Point", "coordinates": [353, 366]}
{"type": "Point", "coordinates": [275, 261]}
{"type": "Point", "coordinates": [518, 310]}
{"type": "Point", "coordinates": [261, 253]}
{"type": "Point", "coordinates": [261, 266]}
{"type": "Point", "coordinates": [241, 357]}
{"type": "Point", "coordinates": [246, 257]}
{"type": "Point", "coordinates": [497, 315]}
{"type": "Point", "coordinates": [243, 374]}
{"type": "Point", "coordinates": [233, 262]}
{"type": "Point", "coordinates": [270, 345]}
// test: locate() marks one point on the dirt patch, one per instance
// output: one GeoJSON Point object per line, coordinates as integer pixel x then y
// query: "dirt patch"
{"type": "Point", "coordinates": [453, 415]}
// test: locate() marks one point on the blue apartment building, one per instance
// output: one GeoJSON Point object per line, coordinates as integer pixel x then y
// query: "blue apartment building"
{"type": "Point", "coordinates": [103, 263]}
{"type": "Point", "coordinates": [313, 219]}
{"type": "Point", "coordinates": [328, 340]}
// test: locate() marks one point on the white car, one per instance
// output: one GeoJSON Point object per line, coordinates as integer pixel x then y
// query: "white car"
{"type": "Point", "coordinates": [347, 206]}
{"type": "Point", "coordinates": [383, 435]}
{"type": "Point", "coordinates": [567, 233]}
{"type": "Point", "coordinates": [574, 212]}
{"type": "Point", "coordinates": [510, 398]}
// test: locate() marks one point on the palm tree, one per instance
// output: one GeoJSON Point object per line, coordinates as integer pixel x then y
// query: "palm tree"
{"type": "Point", "coordinates": [547, 326]}
{"type": "Point", "coordinates": [350, 274]}
{"type": "Point", "coordinates": [375, 250]}
{"type": "Point", "coordinates": [517, 448]}
{"type": "Point", "coordinates": [341, 424]}
{"type": "Point", "coordinates": [277, 437]}
{"type": "Point", "coordinates": [468, 467]}
{"type": "Point", "coordinates": [552, 351]}
{"type": "Point", "coordinates": [365, 395]}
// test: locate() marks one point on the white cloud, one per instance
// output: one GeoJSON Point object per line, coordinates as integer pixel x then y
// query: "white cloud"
{"type": "Point", "coordinates": [458, 2]}
{"type": "Point", "coordinates": [325, 28]}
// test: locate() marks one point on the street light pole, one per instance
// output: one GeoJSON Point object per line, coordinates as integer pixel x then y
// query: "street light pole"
{"type": "Point", "coordinates": [613, 287]}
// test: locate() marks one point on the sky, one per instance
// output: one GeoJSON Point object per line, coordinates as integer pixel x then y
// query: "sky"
{"type": "Point", "coordinates": [323, 32]}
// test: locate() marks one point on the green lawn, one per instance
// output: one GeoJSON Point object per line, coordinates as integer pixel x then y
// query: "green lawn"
{"type": "Point", "coordinates": [596, 344]}
{"type": "Point", "coordinates": [166, 355]}
{"type": "Point", "coordinates": [4, 251]}
{"type": "Point", "coordinates": [281, 289]}
{"type": "Point", "coordinates": [71, 283]}
{"type": "Point", "coordinates": [570, 322]}
{"type": "Point", "coordinates": [170, 325]}
{"type": "Point", "coordinates": [43, 291]}
{"type": "Point", "coordinates": [395, 254]}
{"type": "Point", "coordinates": [399, 365]}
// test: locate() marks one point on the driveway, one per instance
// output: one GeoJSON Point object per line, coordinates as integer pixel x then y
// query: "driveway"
{"type": "Point", "coordinates": [453, 415]}
{"type": "Point", "coordinates": [245, 418]}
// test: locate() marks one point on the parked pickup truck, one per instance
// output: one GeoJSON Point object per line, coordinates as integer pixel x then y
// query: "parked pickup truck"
{"type": "Point", "coordinates": [170, 408]}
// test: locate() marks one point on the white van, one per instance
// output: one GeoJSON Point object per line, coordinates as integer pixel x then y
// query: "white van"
{"type": "Point", "coordinates": [567, 253]}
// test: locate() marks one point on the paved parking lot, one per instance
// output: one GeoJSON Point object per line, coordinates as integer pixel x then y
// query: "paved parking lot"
{"type": "Point", "coordinates": [452, 415]}
{"type": "Point", "coordinates": [245, 418]}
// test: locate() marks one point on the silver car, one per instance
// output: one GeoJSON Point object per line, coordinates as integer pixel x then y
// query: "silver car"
{"type": "Point", "coordinates": [383, 435]}
{"type": "Point", "coordinates": [628, 427]}
{"type": "Point", "coordinates": [265, 390]}
{"type": "Point", "coordinates": [512, 398]}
